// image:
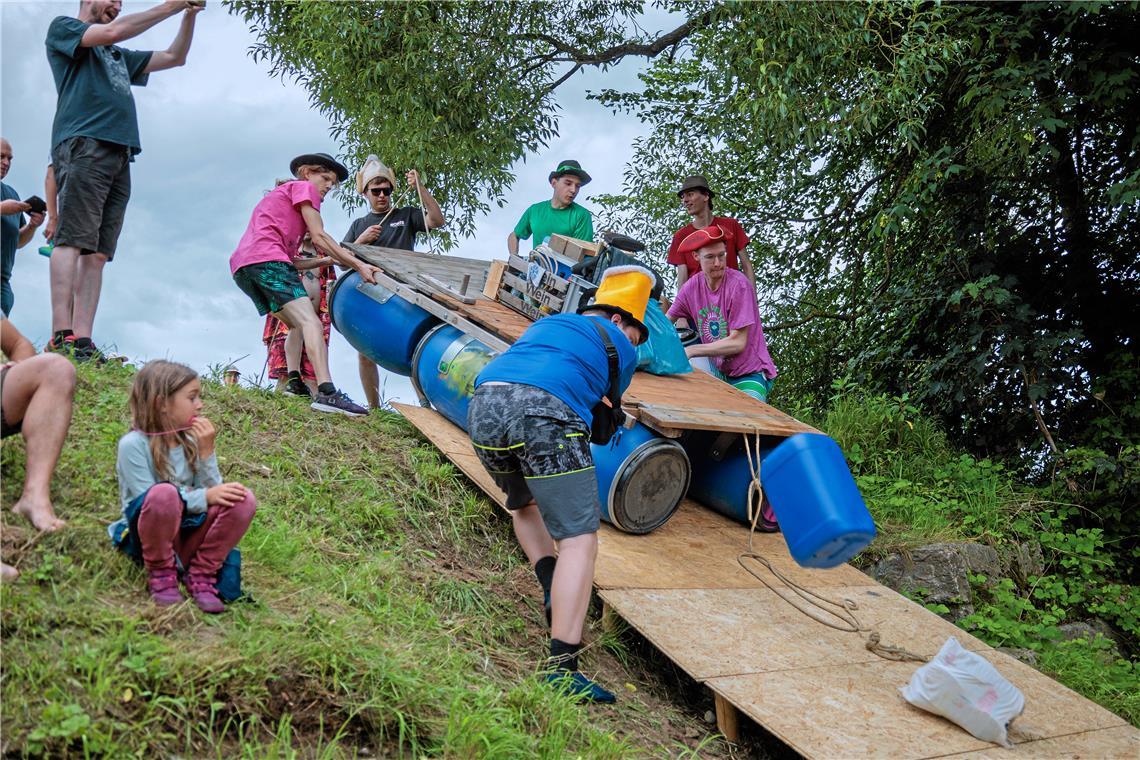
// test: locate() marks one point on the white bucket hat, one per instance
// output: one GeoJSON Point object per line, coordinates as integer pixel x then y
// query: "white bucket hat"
{"type": "Point", "coordinates": [373, 168]}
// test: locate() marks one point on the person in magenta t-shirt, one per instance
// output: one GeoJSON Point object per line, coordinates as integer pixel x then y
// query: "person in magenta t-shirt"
{"type": "Point", "coordinates": [262, 266]}
{"type": "Point", "coordinates": [698, 201]}
{"type": "Point", "coordinates": [720, 305]}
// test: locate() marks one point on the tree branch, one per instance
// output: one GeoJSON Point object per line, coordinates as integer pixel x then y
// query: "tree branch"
{"type": "Point", "coordinates": [615, 53]}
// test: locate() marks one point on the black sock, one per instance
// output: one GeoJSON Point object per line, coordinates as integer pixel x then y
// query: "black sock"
{"type": "Point", "coordinates": [544, 571]}
{"type": "Point", "coordinates": [295, 375]}
{"type": "Point", "coordinates": [83, 342]}
{"type": "Point", "coordinates": [326, 389]}
{"type": "Point", "coordinates": [59, 335]}
{"type": "Point", "coordinates": [564, 656]}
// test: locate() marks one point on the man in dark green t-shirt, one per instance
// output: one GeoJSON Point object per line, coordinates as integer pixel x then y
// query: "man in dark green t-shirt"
{"type": "Point", "coordinates": [95, 136]}
{"type": "Point", "coordinates": [558, 216]}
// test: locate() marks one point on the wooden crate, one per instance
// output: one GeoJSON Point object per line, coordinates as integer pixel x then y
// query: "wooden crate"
{"type": "Point", "coordinates": [508, 279]}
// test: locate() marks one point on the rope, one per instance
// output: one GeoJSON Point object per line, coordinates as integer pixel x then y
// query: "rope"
{"type": "Point", "coordinates": [423, 211]}
{"type": "Point", "coordinates": [810, 603]}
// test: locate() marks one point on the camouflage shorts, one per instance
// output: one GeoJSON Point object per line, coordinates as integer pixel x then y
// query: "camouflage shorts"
{"type": "Point", "coordinates": [270, 285]}
{"type": "Point", "coordinates": [536, 447]}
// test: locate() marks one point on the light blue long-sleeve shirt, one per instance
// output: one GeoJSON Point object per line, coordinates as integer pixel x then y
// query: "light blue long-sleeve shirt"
{"type": "Point", "coordinates": [135, 468]}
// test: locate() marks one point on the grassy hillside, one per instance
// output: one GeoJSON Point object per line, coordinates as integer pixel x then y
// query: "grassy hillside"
{"type": "Point", "coordinates": [393, 614]}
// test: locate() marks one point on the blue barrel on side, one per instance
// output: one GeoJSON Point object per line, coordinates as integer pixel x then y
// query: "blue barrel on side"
{"type": "Point", "coordinates": [820, 509]}
{"type": "Point", "coordinates": [642, 478]}
{"type": "Point", "coordinates": [444, 367]}
{"type": "Point", "coordinates": [378, 323]}
{"type": "Point", "coordinates": [721, 479]}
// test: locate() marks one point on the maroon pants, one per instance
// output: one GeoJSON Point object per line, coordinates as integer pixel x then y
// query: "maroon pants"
{"type": "Point", "coordinates": [202, 550]}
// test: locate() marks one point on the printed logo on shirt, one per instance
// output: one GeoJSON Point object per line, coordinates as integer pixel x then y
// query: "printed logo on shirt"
{"type": "Point", "coordinates": [711, 324]}
{"type": "Point", "coordinates": [396, 224]}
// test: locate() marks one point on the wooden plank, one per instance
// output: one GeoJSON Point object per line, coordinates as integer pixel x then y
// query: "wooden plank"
{"type": "Point", "coordinates": [492, 341]}
{"type": "Point", "coordinates": [698, 548]}
{"type": "Point", "coordinates": [727, 719]}
{"type": "Point", "coordinates": [855, 710]}
{"type": "Point", "coordinates": [768, 421]}
{"type": "Point", "coordinates": [1121, 742]}
{"type": "Point", "coordinates": [543, 297]}
{"type": "Point", "coordinates": [494, 278]}
{"type": "Point", "coordinates": [442, 287]}
{"type": "Point", "coordinates": [742, 631]}
{"type": "Point", "coordinates": [406, 265]}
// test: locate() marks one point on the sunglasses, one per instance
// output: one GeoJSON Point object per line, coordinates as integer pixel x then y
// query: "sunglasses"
{"type": "Point", "coordinates": [378, 191]}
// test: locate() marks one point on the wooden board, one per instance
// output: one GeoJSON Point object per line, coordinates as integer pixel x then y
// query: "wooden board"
{"type": "Point", "coordinates": [698, 548]}
{"type": "Point", "coordinates": [406, 266]}
{"type": "Point", "coordinates": [816, 688]}
{"type": "Point", "coordinates": [855, 710]}
{"type": "Point", "coordinates": [1121, 742]}
{"type": "Point", "coordinates": [740, 631]}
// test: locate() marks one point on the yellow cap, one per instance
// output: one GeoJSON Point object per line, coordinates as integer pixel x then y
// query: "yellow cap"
{"type": "Point", "coordinates": [625, 290]}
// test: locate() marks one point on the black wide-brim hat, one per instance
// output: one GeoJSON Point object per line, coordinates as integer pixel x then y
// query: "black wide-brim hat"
{"type": "Point", "coordinates": [319, 159]}
{"type": "Point", "coordinates": [570, 167]}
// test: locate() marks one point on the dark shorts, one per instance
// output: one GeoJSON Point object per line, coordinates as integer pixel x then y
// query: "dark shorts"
{"type": "Point", "coordinates": [93, 178]}
{"type": "Point", "coordinates": [536, 447]}
{"type": "Point", "coordinates": [6, 429]}
{"type": "Point", "coordinates": [270, 285]}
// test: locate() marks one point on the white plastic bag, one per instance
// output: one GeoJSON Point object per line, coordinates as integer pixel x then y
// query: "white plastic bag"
{"type": "Point", "coordinates": [966, 689]}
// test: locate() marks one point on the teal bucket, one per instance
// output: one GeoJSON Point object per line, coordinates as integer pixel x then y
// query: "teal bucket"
{"type": "Point", "coordinates": [817, 503]}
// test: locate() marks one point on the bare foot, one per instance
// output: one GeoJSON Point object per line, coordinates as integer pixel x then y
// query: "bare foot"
{"type": "Point", "coordinates": [8, 573]}
{"type": "Point", "coordinates": [39, 513]}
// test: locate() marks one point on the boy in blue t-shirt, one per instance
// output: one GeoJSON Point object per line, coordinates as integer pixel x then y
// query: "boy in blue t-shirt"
{"type": "Point", "coordinates": [529, 421]}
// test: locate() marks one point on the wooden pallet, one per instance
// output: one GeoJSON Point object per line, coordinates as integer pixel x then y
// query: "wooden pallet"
{"type": "Point", "coordinates": [815, 688]}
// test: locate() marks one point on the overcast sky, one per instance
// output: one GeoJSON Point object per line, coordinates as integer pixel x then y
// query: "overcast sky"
{"type": "Point", "coordinates": [215, 134]}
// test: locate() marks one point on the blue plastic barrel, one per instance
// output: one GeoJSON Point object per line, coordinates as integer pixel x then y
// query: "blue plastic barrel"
{"type": "Point", "coordinates": [378, 323]}
{"type": "Point", "coordinates": [642, 478]}
{"type": "Point", "coordinates": [721, 479]}
{"type": "Point", "coordinates": [820, 509]}
{"type": "Point", "coordinates": [444, 367]}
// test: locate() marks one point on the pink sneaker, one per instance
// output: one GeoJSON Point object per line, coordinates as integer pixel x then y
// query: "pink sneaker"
{"type": "Point", "coordinates": [204, 594]}
{"type": "Point", "coordinates": [164, 587]}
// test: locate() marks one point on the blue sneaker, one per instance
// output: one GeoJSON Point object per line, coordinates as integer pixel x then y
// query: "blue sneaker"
{"type": "Point", "coordinates": [574, 684]}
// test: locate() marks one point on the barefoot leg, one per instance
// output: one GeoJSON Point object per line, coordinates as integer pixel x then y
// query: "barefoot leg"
{"type": "Point", "coordinates": [37, 395]}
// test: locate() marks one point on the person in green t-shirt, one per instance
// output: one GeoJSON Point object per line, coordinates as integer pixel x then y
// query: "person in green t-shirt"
{"type": "Point", "coordinates": [558, 216]}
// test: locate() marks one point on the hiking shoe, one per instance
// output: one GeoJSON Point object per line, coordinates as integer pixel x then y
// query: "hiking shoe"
{"type": "Point", "coordinates": [204, 594]}
{"type": "Point", "coordinates": [85, 350]}
{"type": "Point", "coordinates": [65, 346]}
{"type": "Point", "coordinates": [164, 587]}
{"type": "Point", "coordinates": [338, 402]}
{"type": "Point", "coordinates": [296, 387]}
{"type": "Point", "coordinates": [574, 684]}
{"type": "Point", "coordinates": [767, 522]}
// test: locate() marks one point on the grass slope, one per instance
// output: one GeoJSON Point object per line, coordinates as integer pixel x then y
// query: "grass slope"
{"type": "Point", "coordinates": [394, 615]}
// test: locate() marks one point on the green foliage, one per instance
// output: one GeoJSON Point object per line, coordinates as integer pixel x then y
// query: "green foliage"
{"type": "Point", "coordinates": [458, 90]}
{"type": "Point", "coordinates": [386, 616]}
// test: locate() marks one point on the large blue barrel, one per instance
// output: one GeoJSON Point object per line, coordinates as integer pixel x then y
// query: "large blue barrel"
{"type": "Point", "coordinates": [378, 323]}
{"type": "Point", "coordinates": [806, 479]}
{"type": "Point", "coordinates": [820, 509]}
{"type": "Point", "coordinates": [641, 479]}
{"type": "Point", "coordinates": [721, 478]}
{"type": "Point", "coordinates": [444, 367]}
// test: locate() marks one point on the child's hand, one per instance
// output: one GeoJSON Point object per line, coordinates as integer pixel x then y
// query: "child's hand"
{"type": "Point", "coordinates": [225, 495]}
{"type": "Point", "coordinates": [204, 433]}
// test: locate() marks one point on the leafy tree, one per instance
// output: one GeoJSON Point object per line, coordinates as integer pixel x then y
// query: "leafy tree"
{"type": "Point", "coordinates": [943, 197]}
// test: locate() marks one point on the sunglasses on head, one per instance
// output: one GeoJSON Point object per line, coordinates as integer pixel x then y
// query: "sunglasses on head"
{"type": "Point", "coordinates": [378, 191]}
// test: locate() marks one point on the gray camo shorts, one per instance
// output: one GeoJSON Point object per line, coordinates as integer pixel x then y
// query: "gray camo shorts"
{"type": "Point", "coordinates": [537, 448]}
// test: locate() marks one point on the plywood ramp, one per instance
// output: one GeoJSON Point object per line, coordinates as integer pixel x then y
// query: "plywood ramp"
{"type": "Point", "coordinates": [816, 688]}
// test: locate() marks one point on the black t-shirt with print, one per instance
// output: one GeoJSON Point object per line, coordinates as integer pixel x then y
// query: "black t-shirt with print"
{"type": "Point", "coordinates": [398, 231]}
